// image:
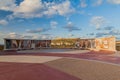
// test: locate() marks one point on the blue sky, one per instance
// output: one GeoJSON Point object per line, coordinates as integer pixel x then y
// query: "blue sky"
{"type": "Point", "coordinates": [49, 19]}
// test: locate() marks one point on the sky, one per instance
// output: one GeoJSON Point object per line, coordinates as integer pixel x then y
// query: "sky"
{"type": "Point", "coordinates": [50, 19]}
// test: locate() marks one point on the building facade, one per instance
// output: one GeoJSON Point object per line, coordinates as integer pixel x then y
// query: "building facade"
{"type": "Point", "coordinates": [16, 44]}
{"type": "Point", "coordinates": [107, 43]}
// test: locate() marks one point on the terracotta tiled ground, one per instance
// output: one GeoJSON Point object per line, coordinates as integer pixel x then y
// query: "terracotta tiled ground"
{"type": "Point", "coordinates": [25, 71]}
{"type": "Point", "coordinates": [92, 55]}
{"type": "Point", "coordinates": [71, 67]}
{"type": "Point", "coordinates": [87, 70]}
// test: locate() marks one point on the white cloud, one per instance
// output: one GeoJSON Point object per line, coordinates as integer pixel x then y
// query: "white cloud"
{"type": "Point", "coordinates": [61, 8]}
{"type": "Point", "coordinates": [36, 8]}
{"type": "Point", "coordinates": [83, 3]}
{"type": "Point", "coordinates": [108, 28]}
{"type": "Point", "coordinates": [13, 35]}
{"type": "Point", "coordinates": [37, 30]}
{"type": "Point", "coordinates": [3, 22]}
{"type": "Point", "coordinates": [97, 21]}
{"type": "Point", "coordinates": [114, 32]}
{"type": "Point", "coordinates": [7, 5]}
{"type": "Point", "coordinates": [91, 34]}
{"type": "Point", "coordinates": [111, 32]}
{"type": "Point", "coordinates": [43, 37]}
{"type": "Point", "coordinates": [114, 1]}
{"type": "Point", "coordinates": [29, 8]}
{"type": "Point", "coordinates": [97, 2]}
{"type": "Point", "coordinates": [70, 35]}
{"type": "Point", "coordinates": [64, 8]}
{"type": "Point", "coordinates": [53, 24]}
{"type": "Point", "coordinates": [71, 27]}
{"type": "Point", "coordinates": [27, 37]}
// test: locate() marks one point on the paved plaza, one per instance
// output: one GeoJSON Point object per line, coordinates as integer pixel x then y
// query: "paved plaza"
{"type": "Point", "coordinates": [70, 51]}
{"type": "Point", "coordinates": [59, 64]}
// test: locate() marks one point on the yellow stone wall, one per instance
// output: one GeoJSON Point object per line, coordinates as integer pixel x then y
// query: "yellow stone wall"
{"type": "Point", "coordinates": [108, 43]}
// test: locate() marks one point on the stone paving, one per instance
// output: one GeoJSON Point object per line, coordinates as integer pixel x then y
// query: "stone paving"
{"type": "Point", "coordinates": [89, 65]}
{"type": "Point", "coordinates": [27, 59]}
{"type": "Point", "coordinates": [87, 70]}
{"type": "Point", "coordinates": [30, 71]}
{"type": "Point", "coordinates": [64, 51]}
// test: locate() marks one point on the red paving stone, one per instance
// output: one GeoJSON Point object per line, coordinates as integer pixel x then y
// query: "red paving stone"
{"type": "Point", "coordinates": [99, 56]}
{"type": "Point", "coordinates": [25, 71]}
{"type": "Point", "coordinates": [92, 55]}
{"type": "Point", "coordinates": [20, 71]}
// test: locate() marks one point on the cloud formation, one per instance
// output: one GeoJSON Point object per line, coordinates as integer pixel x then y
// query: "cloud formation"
{"type": "Point", "coordinates": [7, 5]}
{"type": "Point", "coordinates": [114, 1]}
{"type": "Point", "coordinates": [60, 9]}
{"type": "Point", "coordinates": [13, 35]}
{"type": "Point", "coordinates": [40, 8]}
{"type": "Point", "coordinates": [108, 28]}
{"type": "Point", "coordinates": [101, 34]}
{"type": "Point", "coordinates": [71, 27]}
{"type": "Point", "coordinates": [36, 8]}
{"type": "Point", "coordinates": [37, 30]}
{"type": "Point", "coordinates": [29, 9]}
{"type": "Point", "coordinates": [113, 32]}
{"type": "Point", "coordinates": [53, 24]}
{"type": "Point", "coordinates": [97, 2]}
{"type": "Point", "coordinates": [83, 3]}
{"type": "Point", "coordinates": [91, 34]}
{"type": "Point", "coordinates": [97, 21]}
{"type": "Point", "coordinates": [70, 35]}
{"type": "Point", "coordinates": [46, 37]}
{"type": "Point", "coordinates": [3, 22]}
